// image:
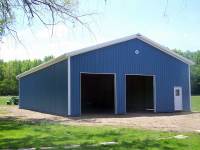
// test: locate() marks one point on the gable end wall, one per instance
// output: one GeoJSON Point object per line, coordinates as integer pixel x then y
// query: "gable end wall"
{"type": "Point", "coordinates": [121, 59]}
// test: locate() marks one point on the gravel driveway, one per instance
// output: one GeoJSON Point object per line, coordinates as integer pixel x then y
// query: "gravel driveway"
{"type": "Point", "coordinates": [156, 121]}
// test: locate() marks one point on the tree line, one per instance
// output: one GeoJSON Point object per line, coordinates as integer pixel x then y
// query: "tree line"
{"type": "Point", "coordinates": [9, 70]}
{"type": "Point", "coordinates": [195, 69]}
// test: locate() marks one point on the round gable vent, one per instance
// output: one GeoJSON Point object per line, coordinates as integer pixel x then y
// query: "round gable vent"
{"type": "Point", "coordinates": [137, 51]}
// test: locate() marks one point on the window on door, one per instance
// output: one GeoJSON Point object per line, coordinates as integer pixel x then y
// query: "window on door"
{"type": "Point", "coordinates": [177, 92]}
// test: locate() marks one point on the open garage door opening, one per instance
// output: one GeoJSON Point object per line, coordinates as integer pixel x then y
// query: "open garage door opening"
{"type": "Point", "coordinates": [97, 93]}
{"type": "Point", "coordinates": [139, 93]}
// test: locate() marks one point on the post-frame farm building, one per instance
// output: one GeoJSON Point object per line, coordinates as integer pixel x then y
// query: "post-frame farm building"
{"type": "Point", "coordinates": [129, 74]}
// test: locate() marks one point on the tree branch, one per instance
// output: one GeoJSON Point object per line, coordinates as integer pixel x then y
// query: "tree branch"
{"type": "Point", "coordinates": [60, 10]}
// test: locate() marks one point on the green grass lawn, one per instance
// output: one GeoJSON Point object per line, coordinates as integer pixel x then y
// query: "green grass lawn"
{"type": "Point", "coordinates": [196, 103]}
{"type": "Point", "coordinates": [3, 99]}
{"type": "Point", "coordinates": [16, 134]}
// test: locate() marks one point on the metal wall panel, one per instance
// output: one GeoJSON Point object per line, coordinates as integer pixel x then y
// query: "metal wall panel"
{"type": "Point", "coordinates": [121, 59]}
{"type": "Point", "coordinates": [46, 90]}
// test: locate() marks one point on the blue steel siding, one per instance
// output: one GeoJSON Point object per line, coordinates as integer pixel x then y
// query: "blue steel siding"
{"type": "Point", "coordinates": [121, 59]}
{"type": "Point", "coordinates": [46, 90]}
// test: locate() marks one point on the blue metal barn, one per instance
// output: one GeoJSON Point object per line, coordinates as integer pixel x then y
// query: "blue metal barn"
{"type": "Point", "coordinates": [125, 75]}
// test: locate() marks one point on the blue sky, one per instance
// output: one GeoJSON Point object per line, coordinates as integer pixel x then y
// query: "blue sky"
{"type": "Point", "coordinates": [175, 24]}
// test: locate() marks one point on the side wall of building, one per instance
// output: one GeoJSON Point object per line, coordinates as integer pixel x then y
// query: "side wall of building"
{"type": "Point", "coordinates": [121, 59]}
{"type": "Point", "coordinates": [46, 90]}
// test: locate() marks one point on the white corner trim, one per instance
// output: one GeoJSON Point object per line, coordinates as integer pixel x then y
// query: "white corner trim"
{"type": "Point", "coordinates": [105, 44]}
{"type": "Point", "coordinates": [154, 93]}
{"type": "Point", "coordinates": [69, 86]}
{"type": "Point", "coordinates": [189, 88]}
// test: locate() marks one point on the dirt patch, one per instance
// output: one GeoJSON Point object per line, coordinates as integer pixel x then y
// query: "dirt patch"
{"type": "Point", "coordinates": [4, 110]}
{"type": "Point", "coordinates": [183, 122]}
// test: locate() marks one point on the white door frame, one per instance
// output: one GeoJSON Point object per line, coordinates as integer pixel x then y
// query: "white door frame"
{"type": "Point", "coordinates": [178, 100]}
{"type": "Point", "coordinates": [154, 87]}
{"type": "Point", "coordinates": [115, 89]}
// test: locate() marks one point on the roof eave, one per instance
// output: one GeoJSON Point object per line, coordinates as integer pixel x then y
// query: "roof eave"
{"type": "Point", "coordinates": [105, 44]}
{"type": "Point", "coordinates": [42, 66]}
{"type": "Point", "coordinates": [166, 50]}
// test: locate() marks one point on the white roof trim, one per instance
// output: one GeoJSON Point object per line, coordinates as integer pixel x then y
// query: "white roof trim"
{"type": "Point", "coordinates": [42, 66]}
{"type": "Point", "coordinates": [105, 44]}
{"type": "Point", "coordinates": [165, 49]}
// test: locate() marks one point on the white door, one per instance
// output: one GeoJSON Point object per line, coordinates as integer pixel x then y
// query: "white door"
{"type": "Point", "coordinates": [178, 98]}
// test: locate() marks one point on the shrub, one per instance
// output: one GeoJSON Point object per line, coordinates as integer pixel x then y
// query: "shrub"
{"type": "Point", "coordinates": [8, 102]}
{"type": "Point", "coordinates": [13, 100]}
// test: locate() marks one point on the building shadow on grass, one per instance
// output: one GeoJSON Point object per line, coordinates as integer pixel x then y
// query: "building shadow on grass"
{"type": "Point", "coordinates": [37, 135]}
